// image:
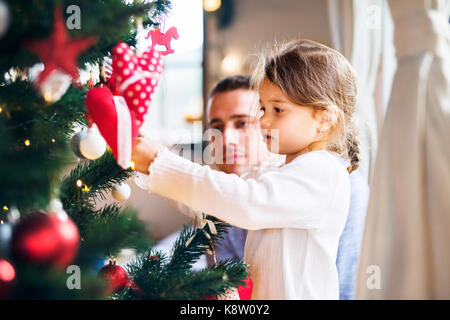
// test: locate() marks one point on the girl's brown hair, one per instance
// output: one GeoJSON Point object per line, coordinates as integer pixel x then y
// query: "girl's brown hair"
{"type": "Point", "coordinates": [312, 74]}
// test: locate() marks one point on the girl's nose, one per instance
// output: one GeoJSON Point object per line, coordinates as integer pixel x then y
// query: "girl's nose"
{"type": "Point", "coordinates": [264, 122]}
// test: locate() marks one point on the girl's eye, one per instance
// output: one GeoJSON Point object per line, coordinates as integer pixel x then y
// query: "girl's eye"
{"type": "Point", "coordinates": [261, 112]}
{"type": "Point", "coordinates": [278, 110]}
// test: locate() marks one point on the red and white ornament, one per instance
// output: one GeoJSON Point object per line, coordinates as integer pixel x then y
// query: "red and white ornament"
{"type": "Point", "coordinates": [58, 53]}
{"type": "Point", "coordinates": [55, 85]}
{"type": "Point", "coordinates": [120, 115]}
{"type": "Point", "coordinates": [115, 121]}
{"type": "Point", "coordinates": [136, 77]}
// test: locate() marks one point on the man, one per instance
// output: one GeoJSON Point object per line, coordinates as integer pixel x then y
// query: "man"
{"type": "Point", "coordinates": [231, 111]}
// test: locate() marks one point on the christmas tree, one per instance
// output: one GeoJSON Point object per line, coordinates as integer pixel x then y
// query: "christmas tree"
{"type": "Point", "coordinates": [50, 225]}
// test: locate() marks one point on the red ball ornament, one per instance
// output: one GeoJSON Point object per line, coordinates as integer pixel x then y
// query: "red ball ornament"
{"type": "Point", "coordinates": [243, 292]}
{"type": "Point", "coordinates": [7, 276]}
{"type": "Point", "coordinates": [115, 275]}
{"type": "Point", "coordinates": [50, 239]}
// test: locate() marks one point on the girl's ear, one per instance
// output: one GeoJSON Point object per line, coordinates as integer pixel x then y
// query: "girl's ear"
{"type": "Point", "coordinates": [326, 119]}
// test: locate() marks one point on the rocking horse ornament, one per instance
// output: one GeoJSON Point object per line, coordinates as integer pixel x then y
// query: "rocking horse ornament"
{"type": "Point", "coordinates": [164, 39]}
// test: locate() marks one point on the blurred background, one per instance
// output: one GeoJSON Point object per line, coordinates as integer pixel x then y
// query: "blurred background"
{"type": "Point", "coordinates": [219, 38]}
{"type": "Point", "coordinates": [400, 50]}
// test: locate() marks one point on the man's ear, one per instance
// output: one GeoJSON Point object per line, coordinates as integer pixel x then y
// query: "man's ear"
{"type": "Point", "coordinates": [208, 108]}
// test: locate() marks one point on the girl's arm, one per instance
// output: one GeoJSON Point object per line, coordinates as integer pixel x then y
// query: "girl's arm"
{"type": "Point", "coordinates": [295, 196]}
{"type": "Point", "coordinates": [184, 209]}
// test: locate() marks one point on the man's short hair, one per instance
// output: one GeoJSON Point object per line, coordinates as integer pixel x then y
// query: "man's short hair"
{"type": "Point", "coordinates": [231, 83]}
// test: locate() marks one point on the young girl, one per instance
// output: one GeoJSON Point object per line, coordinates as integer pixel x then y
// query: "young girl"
{"type": "Point", "coordinates": [295, 214]}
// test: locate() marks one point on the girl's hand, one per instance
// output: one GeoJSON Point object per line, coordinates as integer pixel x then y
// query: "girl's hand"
{"type": "Point", "coordinates": [144, 152]}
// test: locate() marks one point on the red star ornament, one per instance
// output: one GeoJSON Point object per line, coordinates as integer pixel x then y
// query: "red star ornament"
{"type": "Point", "coordinates": [59, 51]}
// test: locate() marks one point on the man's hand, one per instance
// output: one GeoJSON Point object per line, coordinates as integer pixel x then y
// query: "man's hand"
{"type": "Point", "coordinates": [144, 152]}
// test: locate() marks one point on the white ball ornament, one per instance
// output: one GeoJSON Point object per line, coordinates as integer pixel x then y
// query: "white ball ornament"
{"type": "Point", "coordinates": [92, 146]}
{"type": "Point", "coordinates": [5, 237]}
{"type": "Point", "coordinates": [75, 142]}
{"type": "Point", "coordinates": [4, 18]}
{"type": "Point", "coordinates": [121, 192]}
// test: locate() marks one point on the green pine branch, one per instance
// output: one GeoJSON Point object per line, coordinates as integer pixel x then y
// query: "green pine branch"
{"type": "Point", "coordinates": [110, 21]}
{"type": "Point", "coordinates": [183, 256]}
{"type": "Point", "coordinates": [34, 143]}
{"type": "Point", "coordinates": [110, 228]}
{"type": "Point", "coordinates": [100, 176]}
{"type": "Point", "coordinates": [173, 278]}
{"type": "Point", "coordinates": [209, 281]}
{"type": "Point", "coordinates": [113, 228]}
{"type": "Point", "coordinates": [39, 282]}
{"type": "Point", "coordinates": [35, 148]}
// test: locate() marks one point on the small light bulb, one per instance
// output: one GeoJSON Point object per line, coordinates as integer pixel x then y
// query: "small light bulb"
{"type": "Point", "coordinates": [1, 109]}
{"type": "Point", "coordinates": [231, 64]}
{"type": "Point", "coordinates": [48, 97]}
{"type": "Point", "coordinates": [211, 5]}
{"type": "Point", "coordinates": [132, 165]}
{"type": "Point", "coordinates": [5, 208]}
{"type": "Point", "coordinates": [79, 183]}
{"type": "Point", "coordinates": [27, 142]}
{"type": "Point", "coordinates": [1, 221]}
{"type": "Point", "coordinates": [53, 140]}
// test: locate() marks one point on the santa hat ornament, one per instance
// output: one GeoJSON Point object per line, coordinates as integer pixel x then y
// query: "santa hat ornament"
{"type": "Point", "coordinates": [114, 121]}
{"type": "Point", "coordinates": [119, 116]}
{"type": "Point", "coordinates": [59, 54]}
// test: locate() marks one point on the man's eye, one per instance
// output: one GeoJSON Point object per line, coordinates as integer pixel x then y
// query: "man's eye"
{"type": "Point", "coordinates": [242, 124]}
{"type": "Point", "coordinates": [217, 128]}
{"type": "Point", "coordinates": [278, 110]}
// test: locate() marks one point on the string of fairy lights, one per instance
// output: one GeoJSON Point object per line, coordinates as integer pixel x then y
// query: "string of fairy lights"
{"type": "Point", "coordinates": [79, 183]}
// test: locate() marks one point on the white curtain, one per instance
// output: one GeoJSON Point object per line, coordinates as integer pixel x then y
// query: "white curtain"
{"type": "Point", "coordinates": [362, 31]}
{"type": "Point", "coordinates": [406, 247]}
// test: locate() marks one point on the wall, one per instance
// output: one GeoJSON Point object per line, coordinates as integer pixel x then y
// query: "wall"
{"type": "Point", "coordinates": [257, 23]}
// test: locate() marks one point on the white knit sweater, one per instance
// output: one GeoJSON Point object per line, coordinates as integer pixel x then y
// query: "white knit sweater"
{"type": "Point", "coordinates": [295, 215]}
